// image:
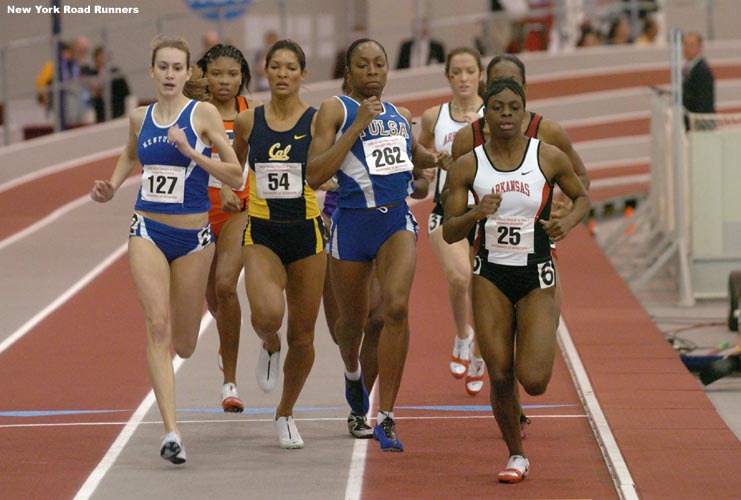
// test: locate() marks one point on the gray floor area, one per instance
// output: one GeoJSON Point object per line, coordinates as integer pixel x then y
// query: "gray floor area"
{"type": "Point", "coordinates": [229, 454]}
{"type": "Point", "coordinates": [693, 330]}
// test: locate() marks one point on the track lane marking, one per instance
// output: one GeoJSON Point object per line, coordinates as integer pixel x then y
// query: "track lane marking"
{"type": "Point", "coordinates": [608, 446]}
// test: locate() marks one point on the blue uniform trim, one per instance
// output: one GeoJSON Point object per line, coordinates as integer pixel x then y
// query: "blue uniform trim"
{"type": "Point", "coordinates": [153, 149]}
{"type": "Point", "coordinates": [358, 234]}
{"type": "Point", "coordinates": [172, 241]}
{"type": "Point", "coordinates": [358, 187]}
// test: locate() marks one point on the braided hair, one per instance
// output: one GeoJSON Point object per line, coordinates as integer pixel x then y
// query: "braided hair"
{"type": "Point", "coordinates": [221, 50]}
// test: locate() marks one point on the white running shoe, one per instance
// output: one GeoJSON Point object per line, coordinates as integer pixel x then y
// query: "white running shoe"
{"type": "Point", "coordinates": [475, 376]}
{"type": "Point", "coordinates": [267, 369]}
{"type": "Point", "coordinates": [230, 400]}
{"type": "Point", "coordinates": [517, 469]}
{"type": "Point", "coordinates": [172, 448]}
{"type": "Point", "coordinates": [288, 435]}
{"type": "Point", "coordinates": [461, 354]}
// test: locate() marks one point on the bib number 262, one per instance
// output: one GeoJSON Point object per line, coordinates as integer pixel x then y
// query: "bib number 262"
{"type": "Point", "coordinates": [387, 157]}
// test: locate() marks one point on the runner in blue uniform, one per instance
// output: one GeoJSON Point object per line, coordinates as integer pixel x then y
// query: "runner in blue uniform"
{"type": "Point", "coordinates": [368, 144]}
{"type": "Point", "coordinates": [170, 248]}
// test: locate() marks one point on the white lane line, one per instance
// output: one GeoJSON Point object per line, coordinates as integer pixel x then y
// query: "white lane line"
{"type": "Point", "coordinates": [621, 476]}
{"type": "Point", "coordinates": [56, 214]}
{"type": "Point", "coordinates": [266, 420]}
{"type": "Point", "coordinates": [59, 167]}
{"type": "Point", "coordinates": [44, 313]}
{"type": "Point", "coordinates": [124, 436]}
{"type": "Point", "coordinates": [356, 470]}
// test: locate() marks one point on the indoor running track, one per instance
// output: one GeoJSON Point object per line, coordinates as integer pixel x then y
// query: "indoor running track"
{"type": "Point", "coordinates": [76, 416]}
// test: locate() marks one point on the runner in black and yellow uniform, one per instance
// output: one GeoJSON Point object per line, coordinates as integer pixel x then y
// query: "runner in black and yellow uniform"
{"type": "Point", "coordinates": [283, 240]}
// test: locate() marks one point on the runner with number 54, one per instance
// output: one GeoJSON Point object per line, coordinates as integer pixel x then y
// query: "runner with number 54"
{"type": "Point", "coordinates": [513, 177]}
{"type": "Point", "coordinates": [283, 241]}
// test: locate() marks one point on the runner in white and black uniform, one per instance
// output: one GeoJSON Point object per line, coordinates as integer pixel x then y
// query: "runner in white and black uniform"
{"type": "Point", "coordinates": [513, 176]}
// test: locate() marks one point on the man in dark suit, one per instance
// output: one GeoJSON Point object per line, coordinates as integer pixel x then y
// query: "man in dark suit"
{"type": "Point", "coordinates": [698, 83]}
{"type": "Point", "coordinates": [420, 50]}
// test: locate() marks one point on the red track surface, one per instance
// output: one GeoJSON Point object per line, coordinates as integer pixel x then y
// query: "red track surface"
{"type": "Point", "coordinates": [87, 355]}
{"type": "Point", "coordinates": [675, 444]}
{"type": "Point", "coordinates": [459, 458]}
{"type": "Point", "coordinates": [27, 203]}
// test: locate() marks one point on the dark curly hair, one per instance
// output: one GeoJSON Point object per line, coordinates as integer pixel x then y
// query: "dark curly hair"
{"type": "Point", "coordinates": [220, 50]}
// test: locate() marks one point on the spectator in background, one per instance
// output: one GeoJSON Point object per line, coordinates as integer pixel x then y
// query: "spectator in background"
{"type": "Point", "coordinates": [650, 33]}
{"type": "Point", "coordinates": [119, 88]}
{"type": "Point", "coordinates": [698, 83]}
{"type": "Point", "coordinates": [589, 38]}
{"type": "Point", "coordinates": [46, 76]}
{"type": "Point", "coordinates": [74, 91]}
{"type": "Point", "coordinates": [420, 50]}
{"type": "Point", "coordinates": [258, 66]}
{"type": "Point", "coordinates": [645, 8]}
{"type": "Point", "coordinates": [209, 39]}
{"type": "Point", "coordinates": [358, 32]}
{"type": "Point", "coordinates": [619, 33]}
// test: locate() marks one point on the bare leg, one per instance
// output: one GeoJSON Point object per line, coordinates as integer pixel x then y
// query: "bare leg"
{"type": "Point", "coordinates": [229, 313]}
{"type": "Point", "coordinates": [395, 263]}
{"type": "Point", "coordinates": [304, 294]}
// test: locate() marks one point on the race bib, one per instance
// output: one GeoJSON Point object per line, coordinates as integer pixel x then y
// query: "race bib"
{"type": "Point", "coordinates": [163, 183]}
{"type": "Point", "coordinates": [213, 182]}
{"type": "Point", "coordinates": [510, 234]}
{"type": "Point", "coordinates": [387, 155]}
{"type": "Point", "coordinates": [279, 180]}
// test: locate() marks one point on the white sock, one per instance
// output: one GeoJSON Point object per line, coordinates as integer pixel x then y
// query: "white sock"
{"type": "Point", "coordinates": [382, 415]}
{"type": "Point", "coordinates": [354, 376]}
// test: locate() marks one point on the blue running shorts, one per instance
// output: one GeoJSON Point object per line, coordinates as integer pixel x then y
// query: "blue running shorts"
{"type": "Point", "coordinates": [358, 233]}
{"type": "Point", "coordinates": [172, 241]}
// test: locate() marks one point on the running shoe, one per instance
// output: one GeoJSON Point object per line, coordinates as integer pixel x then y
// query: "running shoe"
{"type": "Point", "coordinates": [172, 448]}
{"type": "Point", "coordinates": [517, 469]}
{"type": "Point", "coordinates": [288, 435]}
{"type": "Point", "coordinates": [230, 400]}
{"type": "Point", "coordinates": [267, 369]}
{"type": "Point", "coordinates": [358, 426]}
{"type": "Point", "coordinates": [357, 395]}
{"type": "Point", "coordinates": [385, 433]}
{"type": "Point", "coordinates": [461, 354]}
{"type": "Point", "coordinates": [475, 376]}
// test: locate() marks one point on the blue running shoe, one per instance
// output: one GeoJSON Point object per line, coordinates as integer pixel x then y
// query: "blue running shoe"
{"type": "Point", "coordinates": [385, 433]}
{"type": "Point", "coordinates": [357, 396]}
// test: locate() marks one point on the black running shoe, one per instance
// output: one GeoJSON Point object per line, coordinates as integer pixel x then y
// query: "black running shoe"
{"type": "Point", "coordinates": [358, 426]}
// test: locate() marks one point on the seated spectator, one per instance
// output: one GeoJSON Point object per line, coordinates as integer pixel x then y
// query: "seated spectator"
{"type": "Point", "coordinates": [589, 37]}
{"type": "Point", "coordinates": [420, 50]}
{"type": "Point", "coordinates": [650, 33]}
{"type": "Point", "coordinates": [619, 33]}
